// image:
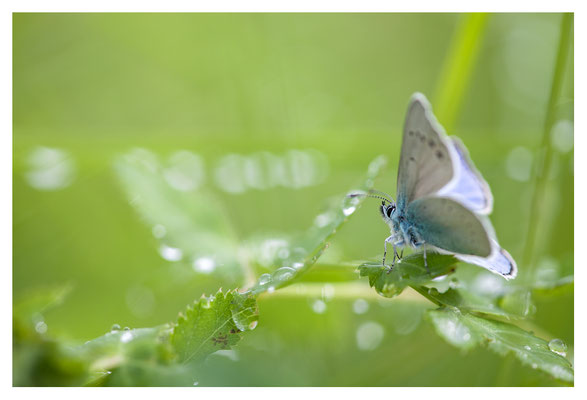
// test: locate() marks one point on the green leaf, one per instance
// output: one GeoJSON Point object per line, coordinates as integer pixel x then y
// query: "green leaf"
{"type": "Point", "coordinates": [558, 287]}
{"type": "Point", "coordinates": [39, 300]}
{"type": "Point", "coordinates": [466, 300]}
{"type": "Point", "coordinates": [213, 323]}
{"type": "Point", "coordinates": [409, 271]}
{"type": "Point", "coordinates": [306, 250]}
{"type": "Point", "coordinates": [465, 330]}
{"type": "Point", "coordinates": [191, 221]}
{"type": "Point", "coordinates": [134, 357]}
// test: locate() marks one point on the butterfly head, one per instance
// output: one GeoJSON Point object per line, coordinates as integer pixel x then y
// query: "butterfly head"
{"type": "Point", "coordinates": [387, 207]}
{"type": "Point", "coordinates": [387, 210]}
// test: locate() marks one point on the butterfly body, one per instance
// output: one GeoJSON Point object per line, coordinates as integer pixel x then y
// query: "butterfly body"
{"type": "Point", "coordinates": [442, 200]}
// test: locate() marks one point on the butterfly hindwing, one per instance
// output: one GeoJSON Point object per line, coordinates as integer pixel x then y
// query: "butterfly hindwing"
{"type": "Point", "coordinates": [468, 187]}
{"type": "Point", "coordinates": [450, 226]}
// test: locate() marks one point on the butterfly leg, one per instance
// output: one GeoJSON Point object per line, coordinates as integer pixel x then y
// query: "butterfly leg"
{"type": "Point", "coordinates": [390, 239]}
{"type": "Point", "coordinates": [425, 261]}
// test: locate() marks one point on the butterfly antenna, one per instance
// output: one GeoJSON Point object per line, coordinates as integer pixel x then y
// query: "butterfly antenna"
{"type": "Point", "coordinates": [375, 194]}
{"type": "Point", "coordinates": [383, 194]}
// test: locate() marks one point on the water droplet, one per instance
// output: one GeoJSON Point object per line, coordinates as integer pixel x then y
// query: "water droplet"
{"type": "Point", "coordinates": [489, 285]}
{"type": "Point", "coordinates": [349, 210]}
{"type": "Point", "coordinates": [519, 164]}
{"type": "Point", "coordinates": [284, 274]}
{"type": "Point", "coordinates": [253, 325]}
{"type": "Point", "coordinates": [454, 331]}
{"type": "Point", "coordinates": [41, 327]}
{"type": "Point", "coordinates": [186, 171]}
{"type": "Point", "coordinates": [115, 328]}
{"type": "Point", "coordinates": [126, 337]}
{"type": "Point", "coordinates": [297, 265]}
{"type": "Point", "coordinates": [269, 250]}
{"type": "Point", "coordinates": [50, 169]}
{"type": "Point", "coordinates": [562, 136]}
{"type": "Point", "coordinates": [205, 265]}
{"type": "Point", "coordinates": [231, 354]}
{"type": "Point", "coordinates": [327, 292]}
{"type": "Point", "coordinates": [196, 383]}
{"type": "Point", "coordinates": [369, 336]}
{"type": "Point", "coordinates": [323, 220]}
{"type": "Point", "coordinates": [229, 174]}
{"type": "Point", "coordinates": [159, 231]}
{"type": "Point", "coordinates": [558, 346]}
{"type": "Point", "coordinates": [126, 328]}
{"type": "Point", "coordinates": [534, 365]}
{"type": "Point", "coordinates": [319, 307]}
{"type": "Point", "coordinates": [170, 253]}
{"type": "Point", "coordinates": [527, 347]}
{"type": "Point", "coordinates": [271, 289]}
{"type": "Point", "coordinates": [283, 253]}
{"type": "Point", "coordinates": [360, 306]}
{"type": "Point", "coordinates": [264, 279]}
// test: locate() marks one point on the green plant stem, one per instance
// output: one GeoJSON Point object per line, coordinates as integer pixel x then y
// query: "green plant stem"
{"type": "Point", "coordinates": [544, 159]}
{"type": "Point", "coordinates": [424, 292]}
{"type": "Point", "coordinates": [458, 66]}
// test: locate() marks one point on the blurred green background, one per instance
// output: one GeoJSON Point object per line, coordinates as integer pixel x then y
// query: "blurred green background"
{"type": "Point", "coordinates": [223, 101]}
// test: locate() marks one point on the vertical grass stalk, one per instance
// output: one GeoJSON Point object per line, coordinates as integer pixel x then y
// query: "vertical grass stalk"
{"type": "Point", "coordinates": [544, 159]}
{"type": "Point", "coordinates": [458, 67]}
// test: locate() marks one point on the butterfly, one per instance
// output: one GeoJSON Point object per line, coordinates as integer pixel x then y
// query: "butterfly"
{"type": "Point", "coordinates": [442, 199]}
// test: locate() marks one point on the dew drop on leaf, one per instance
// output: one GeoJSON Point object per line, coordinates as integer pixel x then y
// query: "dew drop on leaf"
{"type": "Point", "coordinates": [558, 346]}
{"type": "Point", "coordinates": [41, 327]}
{"type": "Point", "coordinates": [126, 337]}
{"type": "Point", "coordinates": [369, 336]}
{"type": "Point", "coordinates": [115, 328]}
{"type": "Point", "coordinates": [284, 274]}
{"type": "Point", "coordinates": [319, 307]}
{"type": "Point", "coordinates": [264, 279]}
{"type": "Point", "coordinates": [348, 211]}
{"type": "Point", "coordinates": [360, 306]}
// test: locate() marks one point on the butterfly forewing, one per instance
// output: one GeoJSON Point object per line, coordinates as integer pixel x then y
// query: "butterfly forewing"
{"type": "Point", "coordinates": [425, 163]}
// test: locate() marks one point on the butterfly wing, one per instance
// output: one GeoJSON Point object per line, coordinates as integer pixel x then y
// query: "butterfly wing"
{"type": "Point", "coordinates": [449, 226]}
{"type": "Point", "coordinates": [468, 187]}
{"type": "Point", "coordinates": [425, 164]}
{"type": "Point", "coordinates": [499, 262]}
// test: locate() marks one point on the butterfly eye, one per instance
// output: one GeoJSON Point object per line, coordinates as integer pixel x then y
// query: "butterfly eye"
{"type": "Point", "coordinates": [389, 210]}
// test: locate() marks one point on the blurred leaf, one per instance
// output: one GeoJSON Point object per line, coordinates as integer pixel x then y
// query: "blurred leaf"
{"type": "Point", "coordinates": [518, 302]}
{"type": "Point", "coordinates": [307, 249]}
{"type": "Point", "coordinates": [40, 300]}
{"type": "Point", "coordinates": [134, 357]}
{"type": "Point", "coordinates": [556, 288]}
{"type": "Point", "coordinates": [212, 324]}
{"type": "Point", "coordinates": [465, 330]}
{"type": "Point", "coordinates": [407, 272]}
{"type": "Point", "coordinates": [190, 224]}
{"type": "Point", "coordinates": [39, 360]}
{"type": "Point", "coordinates": [46, 362]}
